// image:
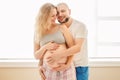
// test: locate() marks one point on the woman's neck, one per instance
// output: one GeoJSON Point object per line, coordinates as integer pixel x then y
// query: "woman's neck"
{"type": "Point", "coordinates": [51, 29]}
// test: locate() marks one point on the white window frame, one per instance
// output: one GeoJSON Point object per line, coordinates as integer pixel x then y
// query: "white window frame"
{"type": "Point", "coordinates": [111, 18]}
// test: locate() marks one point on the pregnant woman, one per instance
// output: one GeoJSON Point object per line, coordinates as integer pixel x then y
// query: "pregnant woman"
{"type": "Point", "coordinates": [50, 37]}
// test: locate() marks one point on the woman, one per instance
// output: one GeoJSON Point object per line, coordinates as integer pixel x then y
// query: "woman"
{"type": "Point", "coordinates": [47, 32]}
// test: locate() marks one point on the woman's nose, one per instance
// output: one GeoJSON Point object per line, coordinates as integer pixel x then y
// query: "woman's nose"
{"type": "Point", "coordinates": [55, 17]}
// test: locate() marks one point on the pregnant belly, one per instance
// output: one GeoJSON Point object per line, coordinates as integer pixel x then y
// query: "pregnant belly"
{"type": "Point", "coordinates": [55, 64]}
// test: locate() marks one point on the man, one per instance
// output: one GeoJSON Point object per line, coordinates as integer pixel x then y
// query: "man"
{"type": "Point", "coordinates": [79, 50]}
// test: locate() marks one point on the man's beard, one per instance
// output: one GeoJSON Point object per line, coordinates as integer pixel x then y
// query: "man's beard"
{"type": "Point", "coordinates": [66, 20]}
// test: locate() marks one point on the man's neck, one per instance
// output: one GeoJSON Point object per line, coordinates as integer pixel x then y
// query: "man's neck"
{"type": "Point", "coordinates": [69, 23]}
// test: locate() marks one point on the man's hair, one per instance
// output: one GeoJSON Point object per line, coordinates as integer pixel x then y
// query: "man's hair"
{"type": "Point", "coordinates": [62, 3]}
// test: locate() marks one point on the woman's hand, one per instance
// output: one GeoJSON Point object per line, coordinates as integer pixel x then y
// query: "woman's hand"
{"type": "Point", "coordinates": [51, 46]}
{"type": "Point", "coordinates": [41, 72]}
{"type": "Point", "coordinates": [55, 56]}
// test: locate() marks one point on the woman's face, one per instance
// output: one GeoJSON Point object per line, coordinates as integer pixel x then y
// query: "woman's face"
{"type": "Point", "coordinates": [53, 16]}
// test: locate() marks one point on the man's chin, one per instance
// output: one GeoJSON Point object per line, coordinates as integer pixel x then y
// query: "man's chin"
{"type": "Point", "coordinates": [60, 21]}
{"type": "Point", "coordinates": [63, 21]}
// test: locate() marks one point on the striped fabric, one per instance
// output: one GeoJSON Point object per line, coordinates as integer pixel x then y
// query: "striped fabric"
{"type": "Point", "coordinates": [68, 74]}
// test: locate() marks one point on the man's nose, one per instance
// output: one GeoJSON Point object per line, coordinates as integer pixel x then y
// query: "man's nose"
{"type": "Point", "coordinates": [59, 14]}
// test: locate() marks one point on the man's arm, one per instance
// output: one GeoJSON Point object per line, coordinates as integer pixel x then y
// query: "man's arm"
{"type": "Point", "coordinates": [68, 52]}
{"type": "Point", "coordinates": [74, 49]}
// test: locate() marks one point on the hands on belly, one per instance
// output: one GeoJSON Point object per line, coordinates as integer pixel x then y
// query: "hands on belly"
{"type": "Point", "coordinates": [55, 54]}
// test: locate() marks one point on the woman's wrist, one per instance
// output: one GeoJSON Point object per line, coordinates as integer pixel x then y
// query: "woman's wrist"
{"type": "Point", "coordinates": [44, 48]}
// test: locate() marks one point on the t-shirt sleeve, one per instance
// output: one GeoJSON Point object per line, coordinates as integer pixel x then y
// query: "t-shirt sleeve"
{"type": "Point", "coordinates": [81, 31]}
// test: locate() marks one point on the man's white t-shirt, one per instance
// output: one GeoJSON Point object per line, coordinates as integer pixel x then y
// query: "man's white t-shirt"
{"type": "Point", "coordinates": [78, 30]}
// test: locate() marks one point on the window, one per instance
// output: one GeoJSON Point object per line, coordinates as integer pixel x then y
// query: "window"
{"type": "Point", "coordinates": [17, 19]}
{"type": "Point", "coordinates": [16, 28]}
{"type": "Point", "coordinates": [108, 25]}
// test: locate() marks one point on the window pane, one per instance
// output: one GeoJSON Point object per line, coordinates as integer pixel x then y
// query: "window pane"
{"type": "Point", "coordinates": [16, 29]}
{"type": "Point", "coordinates": [108, 51]}
{"type": "Point", "coordinates": [108, 31]}
{"type": "Point", "coordinates": [108, 7]}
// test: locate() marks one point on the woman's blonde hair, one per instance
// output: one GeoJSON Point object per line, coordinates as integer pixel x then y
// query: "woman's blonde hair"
{"type": "Point", "coordinates": [43, 19]}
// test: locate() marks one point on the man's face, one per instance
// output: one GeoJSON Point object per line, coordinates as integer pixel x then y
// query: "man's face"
{"type": "Point", "coordinates": [63, 13]}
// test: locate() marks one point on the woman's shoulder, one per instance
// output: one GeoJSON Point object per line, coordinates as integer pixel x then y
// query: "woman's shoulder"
{"type": "Point", "coordinates": [62, 26]}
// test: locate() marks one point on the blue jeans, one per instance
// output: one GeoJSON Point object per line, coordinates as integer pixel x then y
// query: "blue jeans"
{"type": "Point", "coordinates": [82, 73]}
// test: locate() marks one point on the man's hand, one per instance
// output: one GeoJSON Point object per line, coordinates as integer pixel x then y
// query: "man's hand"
{"type": "Point", "coordinates": [41, 72]}
{"type": "Point", "coordinates": [54, 57]}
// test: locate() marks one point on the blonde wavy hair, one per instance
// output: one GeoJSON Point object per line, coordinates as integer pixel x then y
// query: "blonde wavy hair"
{"type": "Point", "coordinates": [43, 22]}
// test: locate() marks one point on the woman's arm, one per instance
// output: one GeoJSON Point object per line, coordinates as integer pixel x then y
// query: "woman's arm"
{"type": "Point", "coordinates": [39, 51]}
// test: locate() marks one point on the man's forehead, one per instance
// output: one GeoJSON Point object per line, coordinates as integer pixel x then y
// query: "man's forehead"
{"type": "Point", "coordinates": [62, 6]}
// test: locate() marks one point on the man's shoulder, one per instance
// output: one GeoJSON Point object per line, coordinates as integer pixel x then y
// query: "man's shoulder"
{"type": "Point", "coordinates": [78, 24]}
